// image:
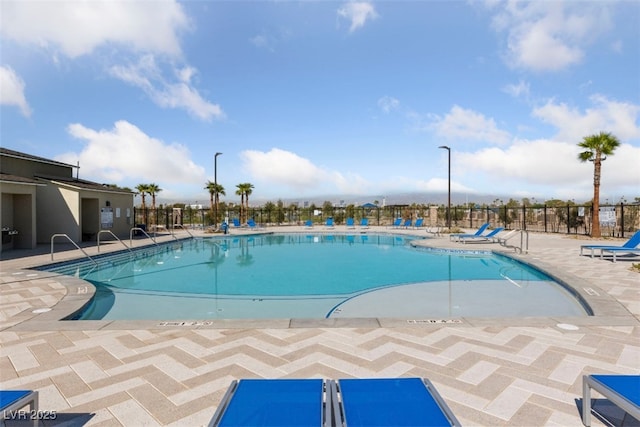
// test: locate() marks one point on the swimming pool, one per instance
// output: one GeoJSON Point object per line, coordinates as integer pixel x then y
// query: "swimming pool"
{"type": "Point", "coordinates": [316, 276]}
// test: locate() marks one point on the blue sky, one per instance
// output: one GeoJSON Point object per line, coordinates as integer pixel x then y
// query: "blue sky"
{"type": "Point", "coordinates": [338, 99]}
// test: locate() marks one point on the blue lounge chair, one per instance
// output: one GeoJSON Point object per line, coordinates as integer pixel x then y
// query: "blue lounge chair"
{"type": "Point", "coordinates": [252, 224]}
{"type": "Point", "coordinates": [615, 251]}
{"type": "Point", "coordinates": [269, 402]}
{"type": "Point", "coordinates": [632, 243]}
{"type": "Point", "coordinates": [364, 223]}
{"type": "Point", "coordinates": [481, 230]}
{"type": "Point", "coordinates": [397, 223]}
{"type": "Point", "coordinates": [236, 222]}
{"type": "Point", "coordinates": [407, 223]}
{"type": "Point", "coordinates": [418, 223]}
{"type": "Point", "coordinates": [350, 223]}
{"type": "Point", "coordinates": [389, 402]}
{"type": "Point", "coordinates": [15, 400]}
{"type": "Point", "coordinates": [329, 223]}
{"type": "Point", "coordinates": [308, 224]}
{"type": "Point", "coordinates": [622, 390]}
{"type": "Point", "coordinates": [483, 237]}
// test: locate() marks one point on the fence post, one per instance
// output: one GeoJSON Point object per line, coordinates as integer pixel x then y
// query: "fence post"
{"type": "Point", "coordinates": [621, 219]}
{"type": "Point", "coordinates": [545, 217]}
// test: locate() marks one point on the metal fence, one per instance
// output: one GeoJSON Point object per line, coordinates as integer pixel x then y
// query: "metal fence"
{"type": "Point", "coordinates": [615, 220]}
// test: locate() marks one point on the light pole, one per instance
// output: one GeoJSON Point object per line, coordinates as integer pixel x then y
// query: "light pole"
{"type": "Point", "coordinates": [444, 147]}
{"type": "Point", "coordinates": [215, 188]}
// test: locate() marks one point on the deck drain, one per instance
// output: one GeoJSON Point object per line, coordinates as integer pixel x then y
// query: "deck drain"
{"type": "Point", "coordinates": [567, 326]}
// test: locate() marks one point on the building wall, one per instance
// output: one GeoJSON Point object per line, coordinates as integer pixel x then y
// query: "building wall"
{"type": "Point", "coordinates": [29, 168]}
{"type": "Point", "coordinates": [59, 213]}
{"type": "Point", "coordinates": [18, 212]}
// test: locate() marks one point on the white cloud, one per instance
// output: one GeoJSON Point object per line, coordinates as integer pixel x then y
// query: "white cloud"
{"type": "Point", "coordinates": [468, 125]}
{"type": "Point", "coordinates": [279, 167]}
{"type": "Point", "coordinates": [148, 76]}
{"type": "Point", "coordinates": [522, 89]}
{"type": "Point", "coordinates": [78, 28]}
{"type": "Point", "coordinates": [550, 165]}
{"type": "Point", "coordinates": [388, 104]}
{"type": "Point", "coordinates": [357, 13]}
{"type": "Point", "coordinates": [620, 118]}
{"type": "Point", "coordinates": [549, 36]}
{"type": "Point", "coordinates": [126, 154]}
{"type": "Point", "coordinates": [12, 91]}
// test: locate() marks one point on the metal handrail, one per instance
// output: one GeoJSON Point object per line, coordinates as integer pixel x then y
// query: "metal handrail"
{"type": "Point", "coordinates": [182, 227]}
{"type": "Point", "coordinates": [74, 244]}
{"type": "Point", "coordinates": [144, 232]}
{"type": "Point", "coordinates": [116, 237]}
{"type": "Point", "coordinates": [524, 242]}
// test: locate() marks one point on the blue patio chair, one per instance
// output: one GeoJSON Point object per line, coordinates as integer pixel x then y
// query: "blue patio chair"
{"type": "Point", "coordinates": [274, 402]}
{"type": "Point", "coordinates": [252, 224]}
{"type": "Point", "coordinates": [407, 223]}
{"type": "Point", "coordinates": [308, 224]}
{"type": "Point", "coordinates": [389, 402]}
{"type": "Point", "coordinates": [483, 237]}
{"type": "Point", "coordinates": [629, 245]}
{"type": "Point", "coordinates": [364, 223]}
{"type": "Point", "coordinates": [622, 390]}
{"type": "Point", "coordinates": [418, 223]}
{"type": "Point", "coordinates": [350, 223]}
{"type": "Point", "coordinates": [329, 223]}
{"type": "Point", "coordinates": [15, 400]}
{"type": "Point", "coordinates": [397, 223]}
{"type": "Point", "coordinates": [236, 222]}
{"type": "Point", "coordinates": [477, 233]}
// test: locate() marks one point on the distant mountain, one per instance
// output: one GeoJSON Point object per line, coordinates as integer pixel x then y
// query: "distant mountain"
{"type": "Point", "coordinates": [391, 199]}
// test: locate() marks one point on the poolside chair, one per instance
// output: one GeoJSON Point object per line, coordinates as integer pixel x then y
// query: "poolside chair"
{"type": "Point", "coordinates": [482, 237]}
{"type": "Point", "coordinates": [632, 243]}
{"type": "Point", "coordinates": [435, 230]}
{"type": "Point", "coordinates": [364, 223]}
{"type": "Point", "coordinates": [252, 225]}
{"type": "Point", "coordinates": [615, 251]}
{"type": "Point", "coordinates": [418, 223]}
{"type": "Point", "coordinates": [389, 402]}
{"type": "Point", "coordinates": [477, 233]}
{"type": "Point", "coordinates": [308, 224]}
{"type": "Point", "coordinates": [274, 402]}
{"type": "Point", "coordinates": [12, 401]}
{"type": "Point", "coordinates": [350, 223]}
{"type": "Point", "coordinates": [329, 223]}
{"type": "Point", "coordinates": [622, 390]}
{"type": "Point", "coordinates": [397, 223]}
{"type": "Point", "coordinates": [236, 222]}
{"type": "Point", "coordinates": [407, 223]}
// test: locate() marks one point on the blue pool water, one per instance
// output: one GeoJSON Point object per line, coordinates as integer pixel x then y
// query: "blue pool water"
{"type": "Point", "coordinates": [316, 276]}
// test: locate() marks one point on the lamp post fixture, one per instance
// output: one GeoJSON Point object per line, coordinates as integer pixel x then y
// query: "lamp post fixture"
{"type": "Point", "coordinates": [215, 185]}
{"type": "Point", "coordinates": [444, 147]}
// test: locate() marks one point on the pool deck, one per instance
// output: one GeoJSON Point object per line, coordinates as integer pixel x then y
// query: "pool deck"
{"type": "Point", "coordinates": [490, 371]}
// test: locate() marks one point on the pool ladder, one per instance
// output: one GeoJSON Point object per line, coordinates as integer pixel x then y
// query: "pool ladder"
{"type": "Point", "coordinates": [74, 244]}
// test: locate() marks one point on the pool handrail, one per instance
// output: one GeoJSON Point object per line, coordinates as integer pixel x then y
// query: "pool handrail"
{"type": "Point", "coordinates": [74, 244]}
{"type": "Point", "coordinates": [143, 232]}
{"type": "Point", "coordinates": [116, 237]}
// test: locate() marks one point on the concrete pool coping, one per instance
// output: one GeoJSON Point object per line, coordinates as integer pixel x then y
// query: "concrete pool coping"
{"type": "Point", "coordinates": [76, 293]}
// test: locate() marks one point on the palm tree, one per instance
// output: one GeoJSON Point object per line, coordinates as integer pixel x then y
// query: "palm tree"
{"type": "Point", "coordinates": [248, 189]}
{"type": "Point", "coordinates": [153, 189]}
{"type": "Point", "coordinates": [597, 148]}
{"type": "Point", "coordinates": [214, 191]}
{"type": "Point", "coordinates": [243, 190]}
{"type": "Point", "coordinates": [142, 190]}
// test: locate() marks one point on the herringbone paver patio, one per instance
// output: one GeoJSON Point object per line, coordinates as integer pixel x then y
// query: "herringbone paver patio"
{"type": "Point", "coordinates": [491, 372]}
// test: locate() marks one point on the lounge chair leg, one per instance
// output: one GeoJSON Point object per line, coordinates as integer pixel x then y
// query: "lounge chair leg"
{"type": "Point", "coordinates": [586, 403]}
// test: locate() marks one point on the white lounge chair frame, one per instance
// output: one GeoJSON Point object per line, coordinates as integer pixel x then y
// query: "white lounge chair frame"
{"type": "Point", "coordinates": [588, 383]}
{"type": "Point", "coordinates": [30, 400]}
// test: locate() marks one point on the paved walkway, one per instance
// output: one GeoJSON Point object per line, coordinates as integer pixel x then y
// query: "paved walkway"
{"type": "Point", "coordinates": [491, 371]}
